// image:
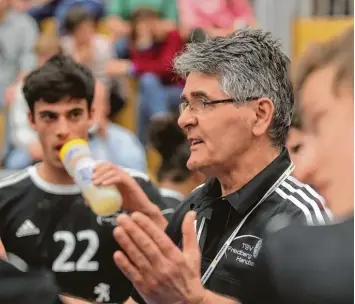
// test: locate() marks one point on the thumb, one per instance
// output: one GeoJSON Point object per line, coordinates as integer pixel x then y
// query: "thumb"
{"type": "Point", "coordinates": [191, 248]}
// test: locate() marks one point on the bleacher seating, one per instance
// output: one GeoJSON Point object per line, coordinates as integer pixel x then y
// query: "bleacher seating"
{"type": "Point", "coordinates": [305, 31]}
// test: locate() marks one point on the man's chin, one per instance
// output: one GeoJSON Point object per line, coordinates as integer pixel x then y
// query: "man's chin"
{"type": "Point", "coordinates": [58, 164]}
{"type": "Point", "coordinates": [193, 164]}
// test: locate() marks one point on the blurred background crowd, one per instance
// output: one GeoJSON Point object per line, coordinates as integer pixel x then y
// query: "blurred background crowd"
{"type": "Point", "coordinates": [129, 45]}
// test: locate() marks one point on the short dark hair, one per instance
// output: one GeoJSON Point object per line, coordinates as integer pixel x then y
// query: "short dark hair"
{"type": "Point", "coordinates": [75, 17]}
{"type": "Point", "coordinates": [58, 78]}
{"type": "Point", "coordinates": [170, 141]}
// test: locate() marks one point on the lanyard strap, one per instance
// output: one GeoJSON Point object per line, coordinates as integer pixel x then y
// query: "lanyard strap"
{"type": "Point", "coordinates": [224, 248]}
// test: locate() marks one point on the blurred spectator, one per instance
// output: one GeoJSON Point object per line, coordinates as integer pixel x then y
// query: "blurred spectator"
{"type": "Point", "coordinates": [107, 140]}
{"type": "Point", "coordinates": [41, 9]}
{"type": "Point", "coordinates": [151, 49]}
{"type": "Point", "coordinates": [176, 181]}
{"type": "Point", "coordinates": [93, 50]}
{"type": "Point", "coordinates": [215, 17]}
{"type": "Point", "coordinates": [85, 46]}
{"type": "Point", "coordinates": [120, 13]}
{"type": "Point", "coordinates": [24, 147]}
{"type": "Point", "coordinates": [18, 34]}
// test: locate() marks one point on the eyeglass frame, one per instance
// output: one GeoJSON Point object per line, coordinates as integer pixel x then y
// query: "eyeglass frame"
{"type": "Point", "coordinates": [212, 102]}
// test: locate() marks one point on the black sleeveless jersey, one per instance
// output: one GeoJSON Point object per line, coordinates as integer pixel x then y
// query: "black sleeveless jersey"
{"type": "Point", "coordinates": [49, 226]}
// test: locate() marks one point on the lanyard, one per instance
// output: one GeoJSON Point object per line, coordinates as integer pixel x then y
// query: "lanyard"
{"type": "Point", "coordinates": [224, 248]}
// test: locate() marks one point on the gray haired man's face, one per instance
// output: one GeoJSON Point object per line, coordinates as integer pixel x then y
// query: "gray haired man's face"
{"type": "Point", "coordinates": [218, 133]}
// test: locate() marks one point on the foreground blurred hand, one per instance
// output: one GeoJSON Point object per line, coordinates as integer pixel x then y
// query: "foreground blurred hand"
{"type": "Point", "coordinates": [159, 270]}
{"type": "Point", "coordinates": [3, 255]}
{"type": "Point", "coordinates": [133, 197]}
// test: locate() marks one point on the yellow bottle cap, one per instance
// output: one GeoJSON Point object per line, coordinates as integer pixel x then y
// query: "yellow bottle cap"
{"type": "Point", "coordinates": [70, 144]}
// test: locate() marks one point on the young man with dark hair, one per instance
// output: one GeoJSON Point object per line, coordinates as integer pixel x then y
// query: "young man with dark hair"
{"type": "Point", "coordinates": [43, 218]}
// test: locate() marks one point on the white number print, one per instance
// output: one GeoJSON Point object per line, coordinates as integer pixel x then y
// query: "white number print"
{"type": "Point", "coordinates": [84, 263]}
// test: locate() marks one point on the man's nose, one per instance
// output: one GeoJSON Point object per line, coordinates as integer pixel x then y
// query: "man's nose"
{"type": "Point", "coordinates": [186, 120]}
{"type": "Point", "coordinates": [62, 128]}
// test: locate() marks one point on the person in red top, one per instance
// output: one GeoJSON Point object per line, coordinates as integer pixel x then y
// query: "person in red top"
{"type": "Point", "coordinates": [151, 48]}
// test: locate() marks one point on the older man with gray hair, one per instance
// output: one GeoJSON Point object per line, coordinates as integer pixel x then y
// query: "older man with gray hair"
{"type": "Point", "coordinates": [236, 110]}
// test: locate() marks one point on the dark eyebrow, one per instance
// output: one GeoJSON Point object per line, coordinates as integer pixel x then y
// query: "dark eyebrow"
{"type": "Point", "coordinates": [47, 112]}
{"type": "Point", "coordinates": [75, 110]}
{"type": "Point", "coordinates": [199, 94]}
{"type": "Point", "coordinates": [52, 113]}
{"type": "Point", "coordinates": [194, 94]}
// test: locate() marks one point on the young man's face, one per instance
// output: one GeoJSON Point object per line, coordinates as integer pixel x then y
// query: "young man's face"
{"type": "Point", "coordinates": [56, 123]}
{"type": "Point", "coordinates": [327, 158]}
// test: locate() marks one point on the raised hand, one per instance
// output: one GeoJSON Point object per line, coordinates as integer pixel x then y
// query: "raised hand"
{"type": "Point", "coordinates": [159, 270]}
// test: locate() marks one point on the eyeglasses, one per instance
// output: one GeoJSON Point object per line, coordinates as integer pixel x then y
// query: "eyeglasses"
{"type": "Point", "coordinates": [197, 105]}
{"type": "Point", "coordinates": [201, 103]}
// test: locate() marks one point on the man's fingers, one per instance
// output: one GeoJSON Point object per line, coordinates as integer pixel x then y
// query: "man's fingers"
{"type": "Point", "coordinates": [102, 168]}
{"type": "Point", "coordinates": [106, 177]}
{"type": "Point", "coordinates": [131, 250]}
{"type": "Point", "coordinates": [102, 165]}
{"type": "Point", "coordinates": [127, 268]}
{"type": "Point", "coordinates": [166, 246]}
{"type": "Point", "coordinates": [113, 180]}
{"type": "Point", "coordinates": [191, 247]}
{"type": "Point", "coordinates": [142, 241]}
{"type": "Point", "coordinates": [107, 174]}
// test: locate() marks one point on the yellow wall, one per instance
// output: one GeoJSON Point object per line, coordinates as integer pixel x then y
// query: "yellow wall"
{"type": "Point", "coordinates": [309, 30]}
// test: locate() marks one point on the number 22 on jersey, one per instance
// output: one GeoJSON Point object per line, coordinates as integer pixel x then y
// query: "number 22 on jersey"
{"type": "Point", "coordinates": [84, 263]}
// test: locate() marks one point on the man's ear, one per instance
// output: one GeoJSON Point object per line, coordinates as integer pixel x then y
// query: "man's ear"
{"type": "Point", "coordinates": [31, 120]}
{"type": "Point", "coordinates": [264, 112]}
